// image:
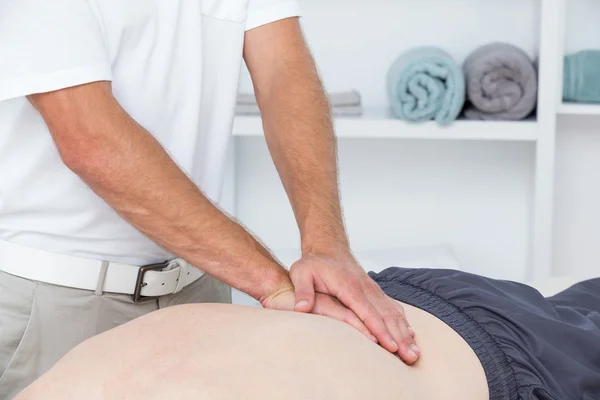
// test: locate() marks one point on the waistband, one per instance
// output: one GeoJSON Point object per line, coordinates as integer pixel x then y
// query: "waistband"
{"type": "Point", "coordinates": [500, 376]}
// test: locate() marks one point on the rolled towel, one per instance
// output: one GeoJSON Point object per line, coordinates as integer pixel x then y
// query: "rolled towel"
{"type": "Point", "coordinates": [349, 98]}
{"type": "Point", "coordinates": [426, 83]}
{"type": "Point", "coordinates": [501, 83]}
{"type": "Point", "coordinates": [247, 109]}
{"type": "Point", "coordinates": [349, 111]}
{"type": "Point", "coordinates": [582, 77]}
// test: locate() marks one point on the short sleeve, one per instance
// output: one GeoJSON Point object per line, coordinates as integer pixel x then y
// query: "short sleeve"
{"type": "Point", "coordinates": [262, 12]}
{"type": "Point", "coordinates": [49, 45]}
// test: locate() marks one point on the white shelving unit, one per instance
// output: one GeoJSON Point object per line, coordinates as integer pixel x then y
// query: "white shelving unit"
{"type": "Point", "coordinates": [549, 97]}
{"type": "Point", "coordinates": [377, 124]}
{"type": "Point", "coordinates": [579, 109]}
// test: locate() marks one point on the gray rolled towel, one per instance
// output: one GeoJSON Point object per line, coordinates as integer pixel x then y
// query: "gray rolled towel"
{"type": "Point", "coordinates": [501, 83]}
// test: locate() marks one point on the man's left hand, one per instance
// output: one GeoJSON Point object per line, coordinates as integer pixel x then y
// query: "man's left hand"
{"type": "Point", "coordinates": [325, 305]}
{"type": "Point", "coordinates": [341, 277]}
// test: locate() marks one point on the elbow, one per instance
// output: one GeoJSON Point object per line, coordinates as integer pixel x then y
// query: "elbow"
{"type": "Point", "coordinates": [84, 159]}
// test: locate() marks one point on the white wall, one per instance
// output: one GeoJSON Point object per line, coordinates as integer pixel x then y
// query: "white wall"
{"type": "Point", "coordinates": [398, 193]}
{"type": "Point", "coordinates": [475, 195]}
{"type": "Point", "coordinates": [577, 207]}
{"type": "Point", "coordinates": [583, 29]}
{"type": "Point", "coordinates": [355, 41]}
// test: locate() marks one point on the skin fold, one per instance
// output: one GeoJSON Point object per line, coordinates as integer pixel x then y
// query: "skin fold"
{"type": "Point", "coordinates": [230, 352]}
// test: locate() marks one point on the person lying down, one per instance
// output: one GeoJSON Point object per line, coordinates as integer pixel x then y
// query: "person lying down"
{"type": "Point", "coordinates": [479, 338]}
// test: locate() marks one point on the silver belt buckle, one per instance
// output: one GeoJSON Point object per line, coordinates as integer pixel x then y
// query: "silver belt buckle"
{"type": "Point", "coordinates": [139, 284]}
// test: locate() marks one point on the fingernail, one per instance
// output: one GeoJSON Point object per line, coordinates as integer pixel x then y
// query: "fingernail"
{"type": "Point", "coordinates": [302, 303]}
{"type": "Point", "coordinates": [414, 349]}
{"type": "Point", "coordinates": [411, 331]}
{"type": "Point", "coordinates": [373, 338]}
{"type": "Point", "coordinates": [396, 347]}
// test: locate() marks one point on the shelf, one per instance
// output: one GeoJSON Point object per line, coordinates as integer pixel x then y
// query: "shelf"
{"type": "Point", "coordinates": [579, 109]}
{"type": "Point", "coordinates": [377, 124]}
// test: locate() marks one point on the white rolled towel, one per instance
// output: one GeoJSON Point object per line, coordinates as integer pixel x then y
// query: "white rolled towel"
{"type": "Point", "coordinates": [351, 111]}
{"type": "Point", "coordinates": [349, 98]}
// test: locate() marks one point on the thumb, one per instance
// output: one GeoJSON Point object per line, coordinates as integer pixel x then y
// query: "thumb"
{"type": "Point", "coordinates": [305, 291]}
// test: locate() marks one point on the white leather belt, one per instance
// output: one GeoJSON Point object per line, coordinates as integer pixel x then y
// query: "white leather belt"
{"type": "Point", "coordinates": [81, 273]}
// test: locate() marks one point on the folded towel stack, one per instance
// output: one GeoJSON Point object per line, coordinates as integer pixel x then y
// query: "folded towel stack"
{"type": "Point", "coordinates": [426, 83]}
{"type": "Point", "coordinates": [501, 83]}
{"type": "Point", "coordinates": [582, 77]}
{"type": "Point", "coordinates": [343, 104]}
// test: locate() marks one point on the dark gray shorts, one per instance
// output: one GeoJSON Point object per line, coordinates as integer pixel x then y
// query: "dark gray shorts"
{"type": "Point", "coordinates": [530, 347]}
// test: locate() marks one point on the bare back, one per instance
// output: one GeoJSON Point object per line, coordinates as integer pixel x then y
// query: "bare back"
{"type": "Point", "coordinates": [227, 352]}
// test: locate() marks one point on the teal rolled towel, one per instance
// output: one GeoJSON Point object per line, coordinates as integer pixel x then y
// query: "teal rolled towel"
{"type": "Point", "coordinates": [581, 79]}
{"type": "Point", "coordinates": [426, 83]}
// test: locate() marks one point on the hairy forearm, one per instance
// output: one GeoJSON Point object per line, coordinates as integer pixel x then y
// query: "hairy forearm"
{"type": "Point", "coordinates": [131, 171]}
{"type": "Point", "coordinates": [299, 133]}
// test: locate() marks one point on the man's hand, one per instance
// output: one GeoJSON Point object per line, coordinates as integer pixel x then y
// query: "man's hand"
{"type": "Point", "coordinates": [299, 134]}
{"type": "Point", "coordinates": [340, 276]}
{"type": "Point", "coordinates": [285, 299]}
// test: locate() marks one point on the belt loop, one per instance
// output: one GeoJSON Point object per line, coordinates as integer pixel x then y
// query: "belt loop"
{"type": "Point", "coordinates": [183, 273]}
{"type": "Point", "coordinates": [101, 279]}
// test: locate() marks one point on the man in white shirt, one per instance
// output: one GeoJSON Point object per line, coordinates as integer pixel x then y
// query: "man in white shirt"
{"type": "Point", "coordinates": [115, 118]}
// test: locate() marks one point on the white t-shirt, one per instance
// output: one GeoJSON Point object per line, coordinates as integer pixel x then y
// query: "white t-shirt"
{"type": "Point", "coordinates": [174, 67]}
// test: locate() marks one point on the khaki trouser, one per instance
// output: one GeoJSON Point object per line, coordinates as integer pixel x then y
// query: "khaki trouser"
{"type": "Point", "coordinates": [39, 322]}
